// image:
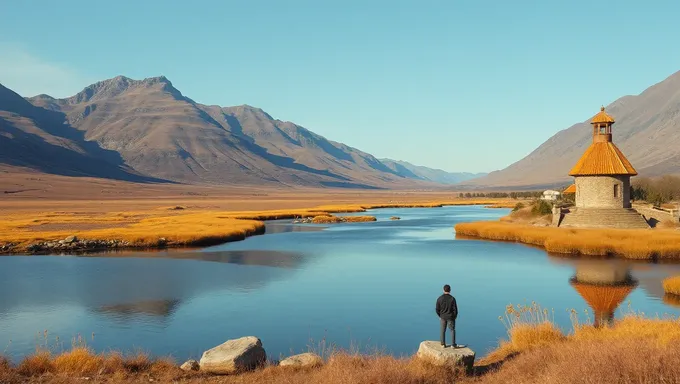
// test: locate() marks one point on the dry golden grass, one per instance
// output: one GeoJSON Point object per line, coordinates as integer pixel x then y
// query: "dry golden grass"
{"type": "Point", "coordinates": [185, 226]}
{"type": "Point", "coordinates": [631, 244]}
{"type": "Point", "coordinates": [634, 350]}
{"type": "Point", "coordinates": [671, 285]}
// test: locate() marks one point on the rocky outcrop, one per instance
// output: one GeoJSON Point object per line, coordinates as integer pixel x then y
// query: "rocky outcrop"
{"type": "Point", "coordinates": [435, 353]}
{"type": "Point", "coordinates": [304, 360]}
{"type": "Point", "coordinates": [234, 356]}
{"type": "Point", "coordinates": [72, 243]}
{"type": "Point", "coordinates": [190, 365]}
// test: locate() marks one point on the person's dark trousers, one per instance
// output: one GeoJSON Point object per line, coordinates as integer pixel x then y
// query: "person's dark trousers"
{"type": "Point", "coordinates": [452, 326]}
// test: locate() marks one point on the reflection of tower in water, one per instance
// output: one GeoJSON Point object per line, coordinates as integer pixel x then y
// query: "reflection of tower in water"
{"type": "Point", "coordinates": [603, 284]}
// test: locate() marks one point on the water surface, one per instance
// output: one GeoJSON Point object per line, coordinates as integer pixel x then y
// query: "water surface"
{"type": "Point", "coordinates": [371, 285]}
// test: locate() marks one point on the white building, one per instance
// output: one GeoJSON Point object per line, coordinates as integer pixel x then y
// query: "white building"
{"type": "Point", "coordinates": [550, 195]}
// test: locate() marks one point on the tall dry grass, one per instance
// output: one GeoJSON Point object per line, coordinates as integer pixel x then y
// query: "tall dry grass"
{"type": "Point", "coordinates": [178, 225]}
{"type": "Point", "coordinates": [671, 285]}
{"type": "Point", "coordinates": [632, 244]}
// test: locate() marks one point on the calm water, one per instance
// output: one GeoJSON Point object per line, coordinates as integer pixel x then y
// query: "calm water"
{"type": "Point", "coordinates": [372, 285]}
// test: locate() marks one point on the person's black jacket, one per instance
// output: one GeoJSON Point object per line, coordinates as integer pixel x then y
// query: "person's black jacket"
{"type": "Point", "coordinates": [446, 307]}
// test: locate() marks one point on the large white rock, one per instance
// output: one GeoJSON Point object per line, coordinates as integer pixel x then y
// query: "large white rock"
{"type": "Point", "coordinates": [438, 355]}
{"type": "Point", "coordinates": [302, 360]}
{"type": "Point", "coordinates": [234, 356]}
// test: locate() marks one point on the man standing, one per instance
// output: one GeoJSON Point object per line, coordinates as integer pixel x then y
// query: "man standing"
{"type": "Point", "coordinates": [447, 310]}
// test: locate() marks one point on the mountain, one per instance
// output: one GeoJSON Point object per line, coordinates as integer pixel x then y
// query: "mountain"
{"type": "Point", "coordinates": [147, 127]}
{"type": "Point", "coordinates": [419, 172]}
{"type": "Point", "coordinates": [37, 138]}
{"type": "Point", "coordinates": [647, 130]}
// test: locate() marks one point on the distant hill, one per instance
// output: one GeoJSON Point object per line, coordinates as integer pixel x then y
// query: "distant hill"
{"type": "Point", "coordinates": [418, 172]}
{"type": "Point", "coordinates": [147, 130]}
{"type": "Point", "coordinates": [647, 130]}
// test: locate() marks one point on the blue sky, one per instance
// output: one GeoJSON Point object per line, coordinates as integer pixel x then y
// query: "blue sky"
{"type": "Point", "coordinates": [459, 85]}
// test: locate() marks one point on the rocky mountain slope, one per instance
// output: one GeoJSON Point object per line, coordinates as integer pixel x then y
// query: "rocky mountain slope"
{"type": "Point", "coordinates": [147, 127]}
{"type": "Point", "coordinates": [647, 130]}
{"type": "Point", "coordinates": [419, 172]}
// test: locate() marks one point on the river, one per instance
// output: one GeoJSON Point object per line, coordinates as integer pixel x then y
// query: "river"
{"type": "Point", "coordinates": [368, 286]}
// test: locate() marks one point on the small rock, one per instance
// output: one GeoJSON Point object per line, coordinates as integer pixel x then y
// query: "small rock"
{"type": "Point", "coordinates": [234, 356]}
{"type": "Point", "coordinates": [438, 355]}
{"type": "Point", "coordinates": [70, 239]}
{"type": "Point", "coordinates": [395, 218]}
{"type": "Point", "coordinates": [190, 365]}
{"type": "Point", "coordinates": [302, 360]}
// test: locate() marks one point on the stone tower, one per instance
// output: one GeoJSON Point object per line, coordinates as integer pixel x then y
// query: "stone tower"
{"type": "Point", "coordinates": [603, 172]}
{"type": "Point", "coordinates": [602, 181]}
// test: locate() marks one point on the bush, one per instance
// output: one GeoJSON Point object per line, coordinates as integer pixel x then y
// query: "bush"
{"type": "Point", "coordinates": [518, 206]}
{"type": "Point", "coordinates": [542, 208]}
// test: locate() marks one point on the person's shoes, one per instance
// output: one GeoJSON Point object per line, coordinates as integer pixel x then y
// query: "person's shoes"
{"type": "Point", "coordinates": [443, 345]}
{"type": "Point", "coordinates": [457, 346]}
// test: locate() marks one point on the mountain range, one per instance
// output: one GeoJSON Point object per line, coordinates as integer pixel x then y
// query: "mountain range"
{"type": "Point", "coordinates": [146, 130]}
{"type": "Point", "coordinates": [406, 169]}
{"type": "Point", "coordinates": [647, 130]}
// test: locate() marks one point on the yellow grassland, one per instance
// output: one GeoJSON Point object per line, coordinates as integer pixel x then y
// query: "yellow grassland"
{"type": "Point", "coordinates": [672, 286]}
{"type": "Point", "coordinates": [178, 225]}
{"type": "Point", "coordinates": [657, 244]}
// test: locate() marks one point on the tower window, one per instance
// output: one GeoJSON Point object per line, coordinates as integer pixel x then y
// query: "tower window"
{"type": "Point", "coordinates": [616, 190]}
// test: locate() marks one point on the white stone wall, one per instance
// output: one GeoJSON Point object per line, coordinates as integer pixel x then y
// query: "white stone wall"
{"type": "Point", "coordinates": [598, 192]}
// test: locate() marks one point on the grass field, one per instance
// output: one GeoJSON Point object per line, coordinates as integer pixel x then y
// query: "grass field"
{"type": "Point", "coordinates": [672, 286]}
{"type": "Point", "coordinates": [177, 219]}
{"type": "Point", "coordinates": [657, 244]}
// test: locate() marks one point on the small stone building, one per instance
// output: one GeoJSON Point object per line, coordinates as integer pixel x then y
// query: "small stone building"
{"type": "Point", "coordinates": [602, 183]}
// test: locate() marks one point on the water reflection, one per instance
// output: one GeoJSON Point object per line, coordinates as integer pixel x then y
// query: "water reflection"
{"type": "Point", "coordinates": [156, 308]}
{"type": "Point", "coordinates": [604, 285]}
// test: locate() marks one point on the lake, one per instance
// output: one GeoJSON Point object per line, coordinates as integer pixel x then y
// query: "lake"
{"type": "Point", "coordinates": [363, 285]}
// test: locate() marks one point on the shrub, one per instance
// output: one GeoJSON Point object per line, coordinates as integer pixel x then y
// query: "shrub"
{"type": "Point", "coordinates": [518, 206]}
{"type": "Point", "coordinates": [542, 208]}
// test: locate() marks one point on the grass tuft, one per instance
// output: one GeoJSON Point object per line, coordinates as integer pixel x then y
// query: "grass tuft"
{"type": "Point", "coordinates": [672, 285]}
{"type": "Point", "coordinates": [36, 364]}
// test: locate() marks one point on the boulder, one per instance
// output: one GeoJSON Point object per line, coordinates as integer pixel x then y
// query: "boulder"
{"type": "Point", "coordinates": [395, 218]}
{"type": "Point", "coordinates": [190, 365]}
{"type": "Point", "coordinates": [70, 239]}
{"type": "Point", "coordinates": [434, 352]}
{"type": "Point", "coordinates": [234, 356]}
{"type": "Point", "coordinates": [303, 360]}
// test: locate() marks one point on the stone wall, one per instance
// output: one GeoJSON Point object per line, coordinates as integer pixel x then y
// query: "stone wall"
{"type": "Point", "coordinates": [598, 192]}
{"type": "Point", "coordinates": [655, 216]}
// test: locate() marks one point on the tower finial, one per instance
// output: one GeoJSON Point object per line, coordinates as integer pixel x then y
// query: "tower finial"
{"type": "Point", "coordinates": [602, 108]}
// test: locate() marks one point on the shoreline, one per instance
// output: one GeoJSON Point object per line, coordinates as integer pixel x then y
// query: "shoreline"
{"type": "Point", "coordinates": [244, 225]}
{"type": "Point", "coordinates": [655, 245]}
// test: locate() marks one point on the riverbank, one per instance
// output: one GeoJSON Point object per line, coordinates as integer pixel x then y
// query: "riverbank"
{"type": "Point", "coordinates": [651, 245]}
{"type": "Point", "coordinates": [168, 226]}
{"type": "Point", "coordinates": [536, 351]}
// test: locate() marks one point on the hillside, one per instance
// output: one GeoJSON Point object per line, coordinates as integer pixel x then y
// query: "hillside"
{"type": "Point", "coordinates": [647, 130]}
{"type": "Point", "coordinates": [147, 127]}
{"type": "Point", "coordinates": [419, 172]}
{"type": "Point", "coordinates": [39, 139]}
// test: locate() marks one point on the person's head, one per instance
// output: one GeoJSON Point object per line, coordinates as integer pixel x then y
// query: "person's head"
{"type": "Point", "coordinates": [447, 288]}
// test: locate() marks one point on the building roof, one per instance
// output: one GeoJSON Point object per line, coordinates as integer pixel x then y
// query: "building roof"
{"type": "Point", "coordinates": [603, 298]}
{"type": "Point", "coordinates": [602, 117]}
{"type": "Point", "coordinates": [570, 189]}
{"type": "Point", "coordinates": [603, 158]}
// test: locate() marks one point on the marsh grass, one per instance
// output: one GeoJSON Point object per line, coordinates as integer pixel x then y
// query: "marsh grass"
{"type": "Point", "coordinates": [655, 244]}
{"type": "Point", "coordinates": [177, 225]}
{"type": "Point", "coordinates": [636, 349]}
{"type": "Point", "coordinates": [671, 286]}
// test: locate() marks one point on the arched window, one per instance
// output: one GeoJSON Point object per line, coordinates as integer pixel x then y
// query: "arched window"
{"type": "Point", "coordinates": [616, 190]}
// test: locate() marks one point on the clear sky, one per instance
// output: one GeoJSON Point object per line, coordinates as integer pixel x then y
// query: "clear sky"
{"type": "Point", "coordinates": [460, 85]}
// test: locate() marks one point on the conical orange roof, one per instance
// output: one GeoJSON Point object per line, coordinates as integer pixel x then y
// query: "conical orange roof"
{"type": "Point", "coordinates": [603, 298]}
{"type": "Point", "coordinates": [603, 158]}
{"type": "Point", "coordinates": [570, 189]}
{"type": "Point", "coordinates": [602, 117]}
